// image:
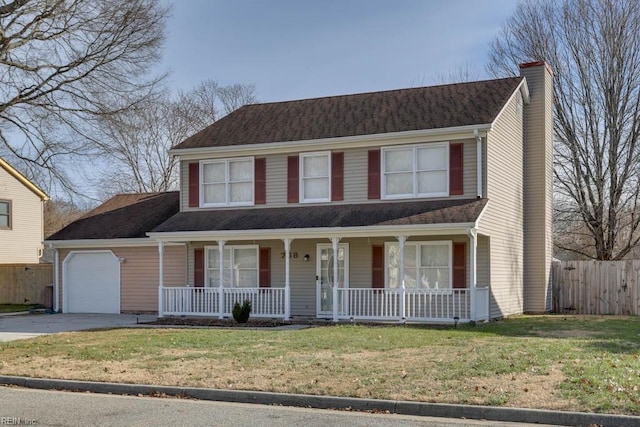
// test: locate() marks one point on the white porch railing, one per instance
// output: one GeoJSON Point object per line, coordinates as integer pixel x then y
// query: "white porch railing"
{"type": "Point", "coordinates": [265, 302]}
{"type": "Point", "coordinates": [420, 305]}
{"type": "Point", "coordinates": [196, 301]}
{"type": "Point", "coordinates": [189, 301]}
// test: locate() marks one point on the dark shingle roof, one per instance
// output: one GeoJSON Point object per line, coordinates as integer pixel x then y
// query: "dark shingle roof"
{"type": "Point", "coordinates": [433, 107]}
{"type": "Point", "coordinates": [383, 213]}
{"type": "Point", "coordinates": [123, 216]}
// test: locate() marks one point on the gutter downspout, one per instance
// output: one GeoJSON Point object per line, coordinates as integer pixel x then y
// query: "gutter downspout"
{"type": "Point", "coordinates": [479, 171]}
{"type": "Point", "coordinates": [56, 278]}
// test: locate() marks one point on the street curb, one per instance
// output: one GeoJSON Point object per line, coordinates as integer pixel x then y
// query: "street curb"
{"type": "Point", "coordinates": [493, 413]}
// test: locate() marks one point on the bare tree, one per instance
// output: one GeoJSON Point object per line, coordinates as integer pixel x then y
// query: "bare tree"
{"type": "Point", "coordinates": [134, 144]}
{"type": "Point", "coordinates": [593, 47]}
{"type": "Point", "coordinates": [63, 65]}
{"type": "Point", "coordinates": [461, 73]}
{"type": "Point", "coordinates": [60, 213]}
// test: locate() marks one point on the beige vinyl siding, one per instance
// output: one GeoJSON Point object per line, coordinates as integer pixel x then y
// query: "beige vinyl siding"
{"type": "Point", "coordinates": [482, 263]}
{"type": "Point", "coordinates": [538, 202]}
{"type": "Point", "coordinates": [355, 177]}
{"type": "Point", "coordinates": [139, 274]}
{"type": "Point", "coordinates": [22, 243]}
{"type": "Point", "coordinates": [503, 217]}
{"type": "Point", "coordinates": [303, 274]}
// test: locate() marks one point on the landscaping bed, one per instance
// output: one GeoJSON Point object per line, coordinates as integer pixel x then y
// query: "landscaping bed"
{"type": "Point", "coordinates": [221, 323]}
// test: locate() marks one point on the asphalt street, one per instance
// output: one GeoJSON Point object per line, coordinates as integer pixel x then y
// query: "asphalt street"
{"type": "Point", "coordinates": [56, 408]}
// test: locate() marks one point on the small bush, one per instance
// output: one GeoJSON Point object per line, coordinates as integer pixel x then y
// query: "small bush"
{"type": "Point", "coordinates": [241, 312]}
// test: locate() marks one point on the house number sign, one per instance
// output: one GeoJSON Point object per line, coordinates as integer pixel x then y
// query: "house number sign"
{"type": "Point", "coordinates": [291, 254]}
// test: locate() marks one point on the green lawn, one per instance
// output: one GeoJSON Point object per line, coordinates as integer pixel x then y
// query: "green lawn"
{"type": "Point", "coordinates": [14, 308]}
{"type": "Point", "coordinates": [556, 362]}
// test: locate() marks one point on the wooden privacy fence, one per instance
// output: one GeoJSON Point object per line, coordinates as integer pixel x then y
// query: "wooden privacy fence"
{"type": "Point", "coordinates": [26, 284]}
{"type": "Point", "coordinates": [596, 287]}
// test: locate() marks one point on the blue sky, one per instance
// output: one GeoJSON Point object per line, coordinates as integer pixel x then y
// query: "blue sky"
{"type": "Point", "coordinates": [301, 49]}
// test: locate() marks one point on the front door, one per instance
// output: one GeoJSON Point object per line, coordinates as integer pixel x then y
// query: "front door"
{"type": "Point", "coordinates": [325, 279]}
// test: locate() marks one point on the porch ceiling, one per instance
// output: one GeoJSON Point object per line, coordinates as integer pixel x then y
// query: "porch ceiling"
{"type": "Point", "coordinates": [430, 214]}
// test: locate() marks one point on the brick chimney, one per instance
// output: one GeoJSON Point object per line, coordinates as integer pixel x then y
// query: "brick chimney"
{"type": "Point", "coordinates": [538, 186]}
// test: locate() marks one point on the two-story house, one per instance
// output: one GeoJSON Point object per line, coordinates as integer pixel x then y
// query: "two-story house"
{"type": "Point", "coordinates": [429, 204]}
{"type": "Point", "coordinates": [21, 217]}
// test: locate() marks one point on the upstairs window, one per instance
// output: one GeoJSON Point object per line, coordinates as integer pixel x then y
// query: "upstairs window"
{"type": "Point", "coordinates": [415, 171]}
{"type": "Point", "coordinates": [315, 177]}
{"type": "Point", "coordinates": [5, 214]}
{"type": "Point", "coordinates": [227, 182]}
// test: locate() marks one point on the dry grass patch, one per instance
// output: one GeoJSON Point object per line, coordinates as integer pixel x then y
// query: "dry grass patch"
{"type": "Point", "coordinates": [537, 362]}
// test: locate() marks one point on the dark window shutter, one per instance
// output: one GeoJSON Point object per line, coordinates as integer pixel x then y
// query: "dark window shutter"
{"type": "Point", "coordinates": [198, 268]}
{"type": "Point", "coordinates": [194, 185]}
{"type": "Point", "coordinates": [377, 266]}
{"type": "Point", "coordinates": [265, 267]}
{"type": "Point", "coordinates": [293, 180]}
{"type": "Point", "coordinates": [459, 266]}
{"type": "Point", "coordinates": [337, 176]}
{"type": "Point", "coordinates": [374, 174]}
{"type": "Point", "coordinates": [260, 181]}
{"type": "Point", "coordinates": [455, 169]}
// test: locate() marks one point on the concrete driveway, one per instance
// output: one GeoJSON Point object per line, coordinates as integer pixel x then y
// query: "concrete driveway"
{"type": "Point", "coordinates": [33, 325]}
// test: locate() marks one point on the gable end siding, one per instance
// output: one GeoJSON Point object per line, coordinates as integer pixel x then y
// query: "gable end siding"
{"type": "Point", "coordinates": [22, 242]}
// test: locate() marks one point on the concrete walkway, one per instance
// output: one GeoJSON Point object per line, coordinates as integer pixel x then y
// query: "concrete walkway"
{"type": "Point", "coordinates": [33, 325]}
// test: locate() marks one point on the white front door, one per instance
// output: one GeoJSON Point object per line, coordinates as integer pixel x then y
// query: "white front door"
{"type": "Point", "coordinates": [324, 276]}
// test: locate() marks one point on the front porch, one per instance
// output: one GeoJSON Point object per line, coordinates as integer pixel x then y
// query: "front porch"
{"type": "Point", "coordinates": [404, 262]}
{"type": "Point", "coordinates": [441, 306]}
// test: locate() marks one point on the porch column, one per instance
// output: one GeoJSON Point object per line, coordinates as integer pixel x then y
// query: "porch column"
{"type": "Point", "coordinates": [287, 283]}
{"type": "Point", "coordinates": [334, 241]}
{"type": "Point", "coordinates": [160, 278]}
{"type": "Point", "coordinates": [221, 284]}
{"type": "Point", "coordinates": [401, 241]}
{"type": "Point", "coordinates": [473, 249]}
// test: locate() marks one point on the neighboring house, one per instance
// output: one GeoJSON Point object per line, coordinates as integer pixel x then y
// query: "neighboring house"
{"type": "Point", "coordinates": [426, 204]}
{"type": "Point", "coordinates": [21, 217]}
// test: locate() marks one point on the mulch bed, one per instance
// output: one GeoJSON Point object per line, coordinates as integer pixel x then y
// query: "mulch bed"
{"type": "Point", "coordinates": [225, 323]}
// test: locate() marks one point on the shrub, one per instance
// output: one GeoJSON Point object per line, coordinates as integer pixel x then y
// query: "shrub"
{"type": "Point", "coordinates": [241, 312]}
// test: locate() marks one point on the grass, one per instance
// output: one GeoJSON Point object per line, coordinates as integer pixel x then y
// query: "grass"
{"type": "Point", "coordinates": [14, 308]}
{"type": "Point", "coordinates": [556, 362]}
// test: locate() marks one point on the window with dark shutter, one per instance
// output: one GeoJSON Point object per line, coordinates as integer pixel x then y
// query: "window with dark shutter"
{"type": "Point", "coordinates": [194, 185]}
{"type": "Point", "coordinates": [260, 181]}
{"type": "Point", "coordinates": [293, 191]}
{"type": "Point", "coordinates": [459, 266]}
{"type": "Point", "coordinates": [198, 268]}
{"type": "Point", "coordinates": [374, 174]}
{"type": "Point", "coordinates": [455, 170]}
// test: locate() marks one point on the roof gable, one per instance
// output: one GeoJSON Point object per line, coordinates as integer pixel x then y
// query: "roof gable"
{"type": "Point", "coordinates": [434, 107]}
{"type": "Point", "coordinates": [23, 180]}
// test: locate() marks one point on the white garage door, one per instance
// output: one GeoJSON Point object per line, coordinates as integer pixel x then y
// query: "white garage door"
{"type": "Point", "coordinates": [92, 282]}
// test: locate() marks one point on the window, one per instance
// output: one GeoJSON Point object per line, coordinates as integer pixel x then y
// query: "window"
{"type": "Point", "coordinates": [227, 182]}
{"type": "Point", "coordinates": [427, 265]}
{"type": "Point", "coordinates": [5, 214]}
{"type": "Point", "coordinates": [415, 171]}
{"type": "Point", "coordinates": [240, 266]}
{"type": "Point", "coordinates": [315, 177]}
